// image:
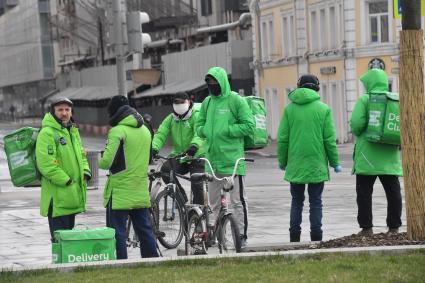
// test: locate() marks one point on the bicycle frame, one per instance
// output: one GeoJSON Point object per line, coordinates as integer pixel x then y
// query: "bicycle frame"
{"type": "Point", "coordinates": [227, 186]}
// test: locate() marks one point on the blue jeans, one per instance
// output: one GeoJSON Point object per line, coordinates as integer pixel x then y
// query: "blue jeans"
{"type": "Point", "coordinates": [315, 198]}
{"type": "Point", "coordinates": [142, 224]}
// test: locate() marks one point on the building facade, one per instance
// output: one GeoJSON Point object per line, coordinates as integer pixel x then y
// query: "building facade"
{"type": "Point", "coordinates": [336, 40]}
{"type": "Point", "coordinates": [26, 58]}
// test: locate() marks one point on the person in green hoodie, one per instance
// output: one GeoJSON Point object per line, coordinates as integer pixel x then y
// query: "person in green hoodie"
{"type": "Point", "coordinates": [224, 120]}
{"type": "Point", "coordinates": [126, 156]}
{"type": "Point", "coordinates": [374, 160]}
{"type": "Point", "coordinates": [180, 126]}
{"type": "Point", "coordinates": [63, 165]}
{"type": "Point", "coordinates": [306, 146]}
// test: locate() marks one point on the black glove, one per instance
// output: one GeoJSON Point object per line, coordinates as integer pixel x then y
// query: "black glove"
{"type": "Point", "coordinates": [192, 150]}
{"type": "Point", "coordinates": [155, 154]}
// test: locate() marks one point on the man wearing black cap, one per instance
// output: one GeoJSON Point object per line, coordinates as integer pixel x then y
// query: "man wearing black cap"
{"type": "Point", "coordinates": [306, 144]}
{"type": "Point", "coordinates": [126, 156]}
{"type": "Point", "coordinates": [180, 126]}
{"type": "Point", "coordinates": [63, 165]}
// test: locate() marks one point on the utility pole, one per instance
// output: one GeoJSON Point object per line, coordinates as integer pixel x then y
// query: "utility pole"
{"type": "Point", "coordinates": [412, 114]}
{"type": "Point", "coordinates": [120, 40]}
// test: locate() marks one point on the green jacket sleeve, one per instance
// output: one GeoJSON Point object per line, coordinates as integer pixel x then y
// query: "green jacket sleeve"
{"type": "Point", "coordinates": [283, 140]}
{"type": "Point", "coordinates": [162, 134]}
{"type": "Point", "coordinates": [358, 121]}
{"type": "Point", "coordinates": [86, 166]}
{"type": "Point", "coordinates": [245, 121]}
{"type": "Point", "coordinates": [200, 122]}
{"type": "Point", "coordinates": [196, 140]}
{"type": "Point", "coordinates": [114, 138]}
{"type": "Point", "coordinates": [47, 160]}
{"type": "Point", "coordinates": [329, 139]}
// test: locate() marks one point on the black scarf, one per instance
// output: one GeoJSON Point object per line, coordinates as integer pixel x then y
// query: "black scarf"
{"type": "Point", "coordinates": [122, 113]}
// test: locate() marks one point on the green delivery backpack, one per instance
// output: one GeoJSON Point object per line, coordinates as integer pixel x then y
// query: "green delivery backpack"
{"type": "Point", "coordinates": [260, 137]}
{"type": "Point", "coordinates": [384, 118]}
{"type": "Point", "coordinates": [20, 152]}
{"type": "Point", "coordinates": [83, 245]}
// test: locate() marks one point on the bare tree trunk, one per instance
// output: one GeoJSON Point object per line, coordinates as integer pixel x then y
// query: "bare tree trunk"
{"type": "Point", "coordinates": [412, 114]}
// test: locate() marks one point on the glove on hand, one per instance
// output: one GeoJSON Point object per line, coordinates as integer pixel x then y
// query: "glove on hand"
{"type": "Point", "coordinates": [338, 169]}
{"type": "Point", "coordinates": [154, 153]}
{"type": "Point", "coordinates": [192, 150]}
{"type": "Point", "coordinates": [281, 167]}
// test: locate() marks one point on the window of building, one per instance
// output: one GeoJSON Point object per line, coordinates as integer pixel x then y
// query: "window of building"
{"type": "Point", "coordinates": [333, 26]}
{"type": "Point", "coordinates": [323, 30]}
{"type": "Point", "coordinates": [314, 31]}
{"type": "Point", "coordinates": [206, 7]}
{"type": "Point", "coordinates": [267, 38]}
{"type": "Point", "coordinates": [378, 21]}
{"type": "Point", "coordinates": [288, 35]}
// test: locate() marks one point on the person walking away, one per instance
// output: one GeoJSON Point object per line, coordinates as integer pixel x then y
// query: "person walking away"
{"type": "Point", "coordinates": [63, 165]}
{"type": "Point", "coordinates": [224, 120]}
{"type": "Point", "coordinates": [374, 160]}
{"type": "Point", "coordinates": [126, 156]}
{"type": "Point", "coordinates": [180, 127]}
{"type": "Point", "coordinates": [306, 146]}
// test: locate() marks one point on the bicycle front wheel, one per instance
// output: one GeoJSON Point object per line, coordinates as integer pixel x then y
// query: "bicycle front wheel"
{"type": "Point", "coordinates": [229, 240]}
{"type": "Point", "coordinates": [168, 214]}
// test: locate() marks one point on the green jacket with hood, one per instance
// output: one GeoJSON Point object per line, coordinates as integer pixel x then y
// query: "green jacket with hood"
{"type": "Point", "coordinates": [182, 131]}
{"type": "Point", "coordinates": [306, 139]}
{"type": "Point", "coordinates": [61, 160]}
{"type": "Point", "coordinates": [223, 121]}
{"type": "Point", "coordinates": [372, 158]}
{"type": "Point", "coordinates": [126, 156]}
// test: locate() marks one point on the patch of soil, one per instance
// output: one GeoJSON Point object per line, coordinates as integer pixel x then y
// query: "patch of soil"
{"type": "Point", "coordinates": [381, 239]}
{"type": "Point", "coordinates": [354, 240]}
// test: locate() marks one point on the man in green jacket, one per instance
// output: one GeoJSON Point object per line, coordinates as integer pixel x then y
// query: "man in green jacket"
{"type": "Point", "coordinates": [224, 120]}
{"type": "Point", "coordinates": [374, 160]}
{"type": "Point", "coordinates": [64, 169]}
{"type": "Point", "coordinates": [306, 146]}
{"type": "Point", "coordinates": [126, 156]}
{"type": "Point", "coordinates": [180, 125]}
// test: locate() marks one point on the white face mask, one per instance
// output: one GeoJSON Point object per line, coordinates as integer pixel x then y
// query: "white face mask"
{"type": "Point", "coordinates": [181, 108]}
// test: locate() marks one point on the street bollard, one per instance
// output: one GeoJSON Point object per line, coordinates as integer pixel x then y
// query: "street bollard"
{"type": "Point", "coordinates": [92, 158]}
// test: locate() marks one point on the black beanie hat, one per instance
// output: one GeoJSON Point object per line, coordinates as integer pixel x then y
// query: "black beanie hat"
{"type": "Point", "coordinates": [115, 103]}
{"type": "Point", "coordinates": [309, 81]}
{"type": "Point", "coordinates": [181, 96]}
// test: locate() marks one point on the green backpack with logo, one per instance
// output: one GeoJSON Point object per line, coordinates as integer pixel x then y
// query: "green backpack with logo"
{"type": "Point", "coordinates": [260, 137]}
{"type": "Point", "coordinates": [20, 152]}
{"type": "Point", "coordinates": [384, 118]}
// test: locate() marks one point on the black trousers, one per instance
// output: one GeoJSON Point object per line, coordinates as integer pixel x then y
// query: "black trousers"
{"type": "Point", "coordinates": [364, 189]}
{"type": "Point", "coordinates": [65, 222]}
{"type": "Point", "coordinates": [196, 166]}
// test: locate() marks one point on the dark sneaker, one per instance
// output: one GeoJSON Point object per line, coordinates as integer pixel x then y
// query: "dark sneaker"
{"type": "Point", "coordinates": [211, 237]}
{"type": "Point", "coordinates": [393, 230]}
{"type": "Point", "coordinates": [244, 241]}
{"type": "Point", "coordinates": [295, 237]}
{"type": "Point", "coordinates": [366, 232]}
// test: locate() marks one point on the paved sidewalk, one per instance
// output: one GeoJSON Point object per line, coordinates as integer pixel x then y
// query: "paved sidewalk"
{"type": "Point", "coordinates": [24, 236]}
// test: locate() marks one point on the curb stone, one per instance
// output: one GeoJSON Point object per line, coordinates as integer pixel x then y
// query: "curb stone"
{"type": "Point", "coordinates": [246, 256]}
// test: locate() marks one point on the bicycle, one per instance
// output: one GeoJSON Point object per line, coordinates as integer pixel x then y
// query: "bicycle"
{"type": "Point", "coordinates": [168, 209]}
{"type": "Point", "coordinates": [225, 227]}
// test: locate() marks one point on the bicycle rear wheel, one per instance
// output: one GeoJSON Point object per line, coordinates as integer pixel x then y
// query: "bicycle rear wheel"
{"type": "Point", "coordinates": [169, 219]}
{"type": "Point", "coordinates": [229, 240]}
{"type": "Point", "coordinates": [197, 236]}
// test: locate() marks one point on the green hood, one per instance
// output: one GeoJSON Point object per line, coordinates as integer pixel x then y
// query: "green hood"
{"type": "Point", "coordinates": [130, 121]}
{"type": "Point", "coordinates": [303, 95]}
{"type": "Point", "coordinates": [221, 76]}
{"type": "Point", "coordinates": [375, 80]}
{"type": "Point", "coordinates": [50, 121]}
